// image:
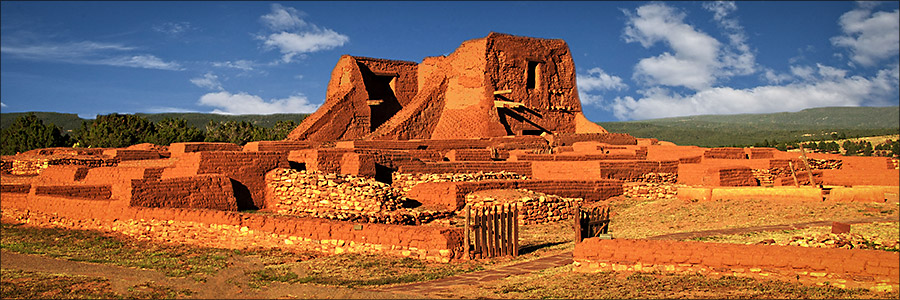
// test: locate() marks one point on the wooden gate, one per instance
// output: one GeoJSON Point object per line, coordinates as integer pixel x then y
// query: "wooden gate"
{"type": "Point", "coordinates": [494, 231]}
{"type": "Point", "coordinates": [591, 222]}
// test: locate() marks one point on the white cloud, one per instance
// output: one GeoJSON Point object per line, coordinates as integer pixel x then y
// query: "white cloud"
{"type": "Point", "coordinates": [869, 37]}
{"type": "Point", "coordinates": [293, 36]}
{"type": "Point", "coordinates": [139, 61]}
{"type": "Point", "coordinates": [695, 58]}
{"type": "Point", "coordinates": [208, 81]}
{"type": "Point", "coordinates": [245, 65]}
{"type": "Point", "coordinates": [803, 72]}
{"type": "Point", "coordinates": [832, 87]}
{"type": "Point", "coordinates": [90, 53]}
{"type": "Point", "coordinates": [598, 80]}
{"type": "Point", "coordinates": [594, 82]}
{"type": "Point", "coordinates": [736, 58]}
{"type": "Point", "coordinates": [2, 104]}
{"type": "Point", "coordinates": [772, 77]}
{"type": "Point", "coordinates": [283, 18]}
{"type": "Point", "coordinates": [291, 44]}
{"type": "Point", "coordinates": [243, 103]}
{"type": "Point", "coordinates": [173, 28]}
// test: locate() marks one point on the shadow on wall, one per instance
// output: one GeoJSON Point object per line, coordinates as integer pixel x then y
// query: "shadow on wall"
{"type": "Point", "coordinates": [243, 196]}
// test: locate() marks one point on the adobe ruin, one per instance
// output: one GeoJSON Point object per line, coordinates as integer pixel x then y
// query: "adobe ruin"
{"type": "Point", "coordinates": [499, 85]}
{"type": "Point", "coordinates": [500, 112]}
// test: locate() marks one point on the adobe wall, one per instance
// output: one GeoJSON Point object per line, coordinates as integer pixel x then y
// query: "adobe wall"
{"type": "Point", "coordinates": [522, 168]}
{"type": "Point", "coordinates": [209, 191]}
{"type": "Point", "coordinates": [246, 170]}
{"type": "Point", "coordinates": [781, 193]}
{"type": "Point", "coordinates": [436, 243]}
{"type": "Point", "coordinates": [791, 262]}
{"type": "Point", "coordinates": [452, 195]}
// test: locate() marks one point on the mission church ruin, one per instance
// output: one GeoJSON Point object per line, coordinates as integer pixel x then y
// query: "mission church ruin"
{"type": "Point", "coordinates": [500, 112]}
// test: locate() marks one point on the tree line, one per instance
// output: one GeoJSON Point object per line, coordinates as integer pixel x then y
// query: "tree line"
{"type": "Point", "coordinates": [121, 130]}
{"type": "Point", "coordinates": [861, 148]}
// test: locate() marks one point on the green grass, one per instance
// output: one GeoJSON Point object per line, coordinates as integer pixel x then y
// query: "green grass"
{"type": "Point", "coordinates": [17, 284]}
{"type": "Point", "coordinates": [99, 247]}
{"type": "Point", "coordinates": [563, 283]}
{"type": "Point", "coordinates": [351, 270]}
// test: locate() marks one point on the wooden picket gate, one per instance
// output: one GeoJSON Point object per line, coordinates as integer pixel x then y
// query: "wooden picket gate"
{"type": "Point", "coordinates": [591, 222]}
{"type": "Point", "coordinates": [495, 230]}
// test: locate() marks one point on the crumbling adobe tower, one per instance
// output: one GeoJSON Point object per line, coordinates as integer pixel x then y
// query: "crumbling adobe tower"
{"type": "Point", "coordinates": [498, 85]}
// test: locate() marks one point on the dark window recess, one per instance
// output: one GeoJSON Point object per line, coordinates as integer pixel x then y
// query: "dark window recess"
{"type": "Point", "coordinates": [531, 75]}
{"type": "Point", "coordinates": [532, 132]}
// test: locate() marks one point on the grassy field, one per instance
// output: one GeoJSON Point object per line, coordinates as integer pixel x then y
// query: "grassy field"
{"type": "Point", "coordinates": [276, 270]}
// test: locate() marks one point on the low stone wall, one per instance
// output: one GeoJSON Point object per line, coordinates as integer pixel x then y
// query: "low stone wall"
{"type": "Point", "coordinates": [435, 243]}
{"type": "Point", "coordinates": [340, 197]}
{"type": "Point", "coordinates": [661, 255]}
{"type": "Point", "coordinates": [451, 195]}
{"type": "Point", "coordinates": [405, 182]}
{"type": "Point", "coordinates": [650, 191]}
{"type": "Point", "coordinates": [534, 207]}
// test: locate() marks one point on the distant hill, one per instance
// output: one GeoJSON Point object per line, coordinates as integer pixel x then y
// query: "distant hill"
{"type": "Point", "coordinates": [64, 121]}
{"type": "Point", "coordinates": [706, 131]}
{"type": "Point", "coordinates": [199, 120]}
{"type": "Point", "coordinates": [747, 129]}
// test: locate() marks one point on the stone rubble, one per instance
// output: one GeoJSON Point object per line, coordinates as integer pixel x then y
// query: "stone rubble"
{"type": "Point", "coordinates": [342, 197]}
{"type": "Point", "coordinates": [534, 207]}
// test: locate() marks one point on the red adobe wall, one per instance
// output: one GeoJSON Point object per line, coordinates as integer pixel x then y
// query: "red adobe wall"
{"type": "Point", "coordinates": [98, 192]}
{"type": "Point", "coordinates": [178, 149]}
{"type": "Point", "coordinates": [129, 154]}
{"type": "Point", "coordinates": [469, 155]}
{"type": "Point", "coordinates": [280, 146]}
{"type": "Point", "coordinates": [726, 153]}
{"type": "Point", "coordinates": [246, 170]}
{"type": "Point", "coordinates": [452, 195]}
{"type": "Point", "coordinates": [879, 264]}
{"type": "Point", "coordinates": [730, 176]}
{"type": "Point", "coordinates": [210, 191]}
{"type": "Point", "coordinates": [567, 139]}
{"type": "Point", "coordinates": [429, 242]}
{"type": "Point", "coordinates": [521, 168]}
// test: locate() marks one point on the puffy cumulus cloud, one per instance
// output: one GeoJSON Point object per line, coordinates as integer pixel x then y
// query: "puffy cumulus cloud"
{"type": "Point", "coordinates": [293, 36]}
{"type": "Point", "coordinates": [291, 44]}
{"type": "Point", "coordinates": [827, 86]}
{"type": "Point", "coordinates": [594, 82]}
{"type": "Point", "coordinates": [208, 81]}
{"type": "Point", "coordinates": [695, 56]}
{"type": "Point", "coordinates": [89, 53]}
{"type": "Point", "coordinates": [870, 37]}
{"type": "Point", "coordinates": [243, 103]}
{"type": "Point", "coordinates": [697, 60]}
{"type": "Point", "coordinates": [598, 80]}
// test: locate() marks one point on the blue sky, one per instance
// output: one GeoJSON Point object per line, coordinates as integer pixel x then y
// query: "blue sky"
{"type": "Point", "coordinates": [634, 60]}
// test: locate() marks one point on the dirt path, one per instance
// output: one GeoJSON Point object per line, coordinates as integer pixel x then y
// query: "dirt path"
{"type": "Point", "coordinates": [218, 286]}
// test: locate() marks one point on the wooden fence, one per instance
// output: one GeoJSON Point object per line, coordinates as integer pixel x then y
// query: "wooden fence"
{"type": "Point", "coordinates": [591, 222]}
{"type": "Point", "coordinates": [495, 230]}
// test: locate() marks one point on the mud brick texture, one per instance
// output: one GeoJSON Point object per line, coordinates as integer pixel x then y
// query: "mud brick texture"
{"type": "Point", "coordinates": [452, 195]}
{"type": "Point", "coordinates": [210, 191]}
{"type": "Point", "coordinates": [879, 264]}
